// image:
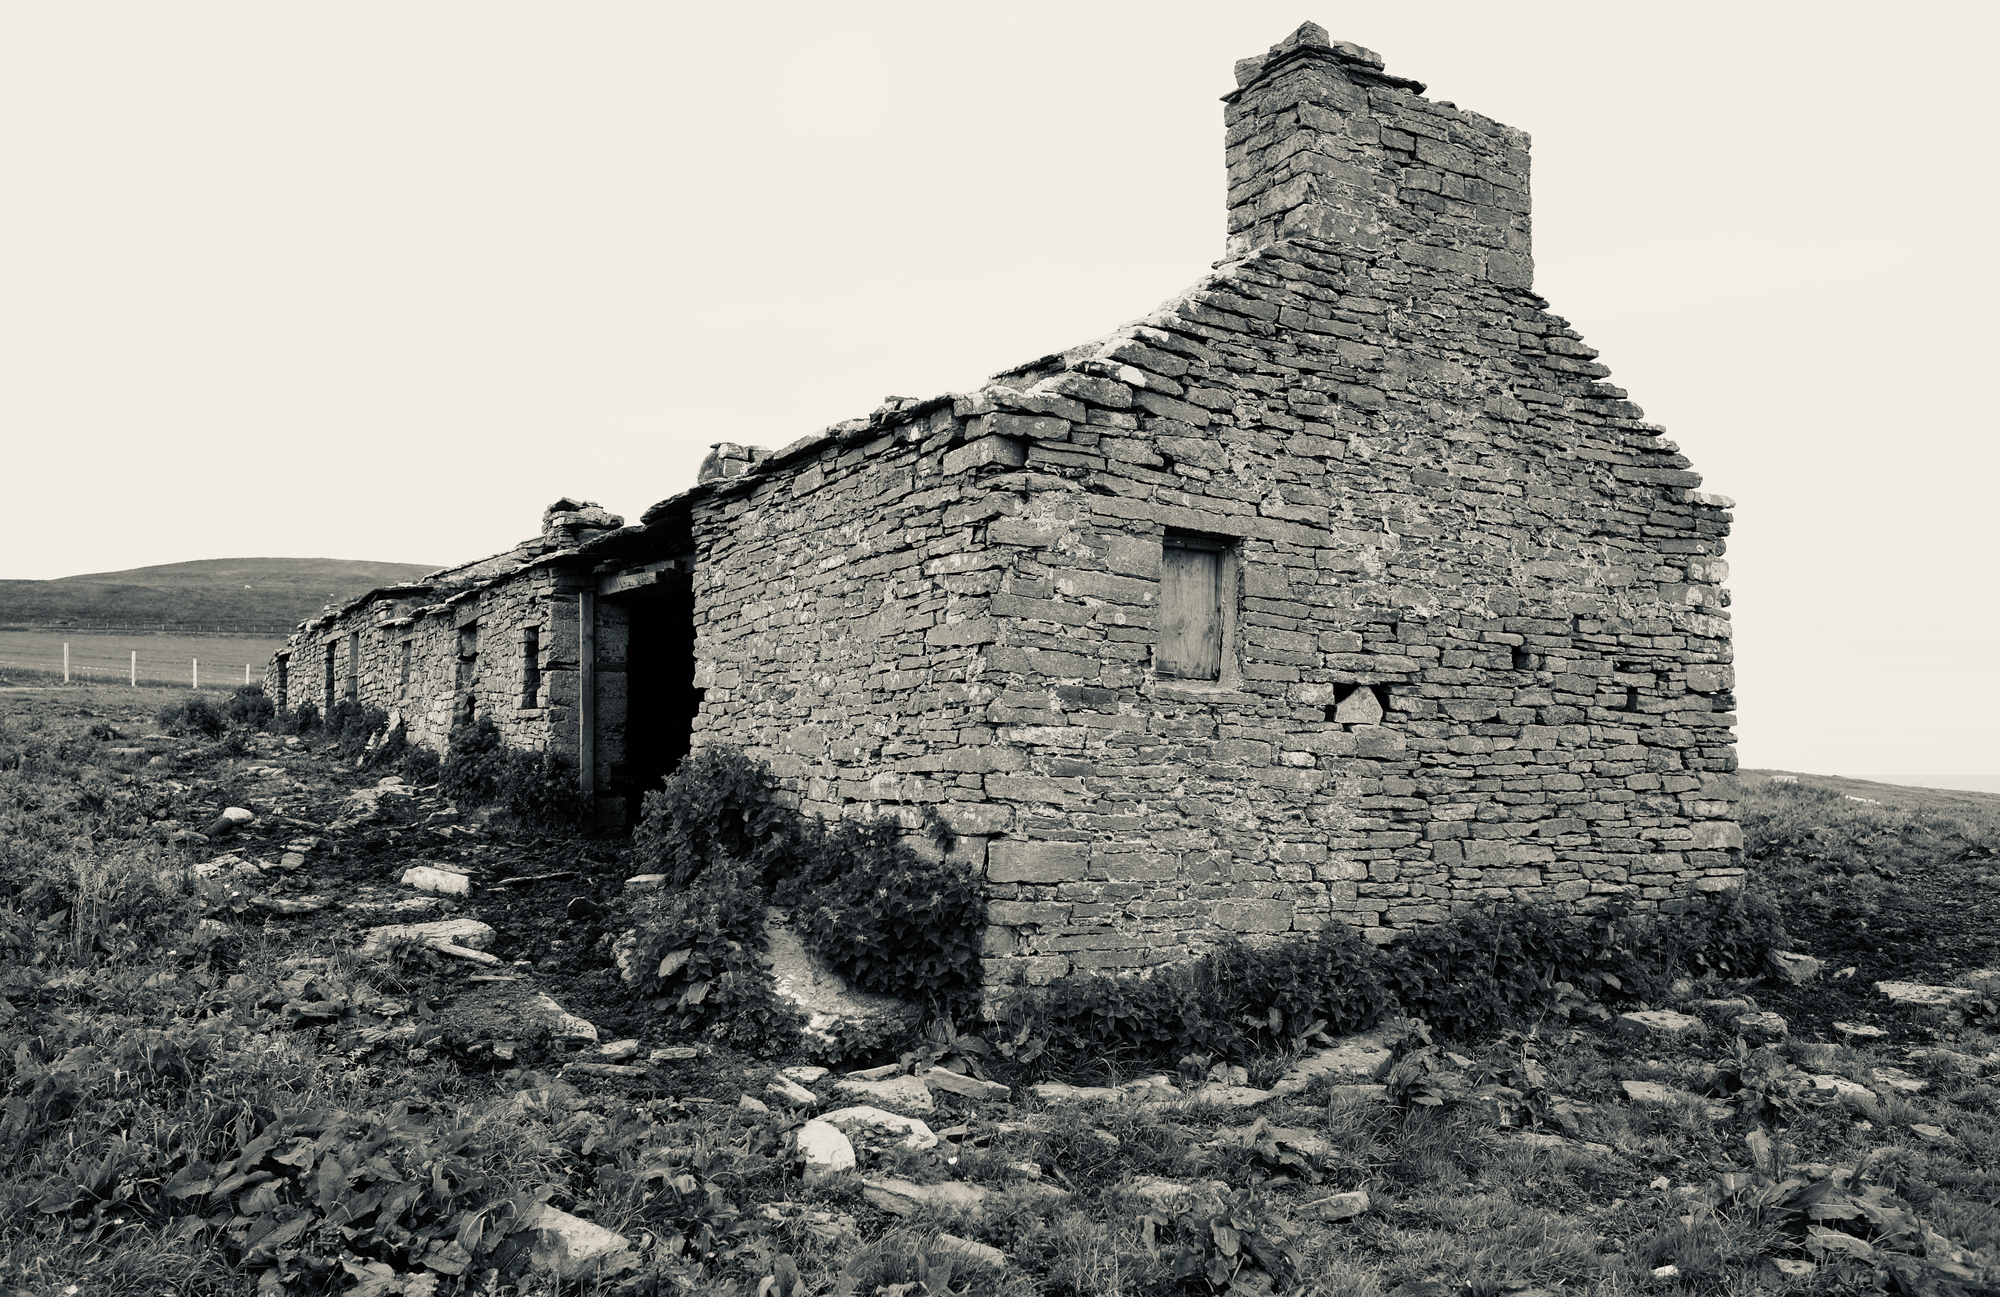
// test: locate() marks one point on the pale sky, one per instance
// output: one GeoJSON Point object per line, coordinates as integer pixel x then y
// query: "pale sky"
{"type": "Point", "coordinates": [377, 280]}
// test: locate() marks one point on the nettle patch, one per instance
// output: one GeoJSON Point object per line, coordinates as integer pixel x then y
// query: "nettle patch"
{"type": "Point", "coordinates": [885, 918]}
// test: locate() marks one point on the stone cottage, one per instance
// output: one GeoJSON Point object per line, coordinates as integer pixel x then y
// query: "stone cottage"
{"type": "Point", "coordinates": [1343, 588]}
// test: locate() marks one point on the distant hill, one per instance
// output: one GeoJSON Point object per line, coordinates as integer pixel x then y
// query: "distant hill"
{"type": "Point", "coordinates": [224, 594]}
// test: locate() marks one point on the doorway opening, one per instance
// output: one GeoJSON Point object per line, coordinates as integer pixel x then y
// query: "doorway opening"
{"type": "Point", "coordinates": [661, 701]}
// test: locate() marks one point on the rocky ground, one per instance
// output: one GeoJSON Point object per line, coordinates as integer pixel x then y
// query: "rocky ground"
{"type": "Point", "coordinates": [1838, 1129]}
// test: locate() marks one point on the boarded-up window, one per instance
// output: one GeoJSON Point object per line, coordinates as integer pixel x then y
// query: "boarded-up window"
{"type": "Point", "coordinates": [1191, 612]}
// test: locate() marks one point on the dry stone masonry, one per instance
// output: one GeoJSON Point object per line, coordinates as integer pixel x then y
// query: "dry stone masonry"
{"type": "Point", "coordinates": [1343, 588]}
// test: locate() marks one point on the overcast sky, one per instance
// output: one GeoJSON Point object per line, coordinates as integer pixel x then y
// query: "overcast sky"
{"type": "Point", "coordinates": [380, 280]}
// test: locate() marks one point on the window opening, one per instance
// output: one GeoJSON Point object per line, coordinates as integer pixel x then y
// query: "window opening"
{"type": "Point", "coordinates": [468, 653]}
{"type": "Point", "coordinates": [283, 700]}
{"type": "Point", "coordinates": [326, 703]}
{"type": "Point", "coordinates": [354, 665]}
{"type": "Point", "coordinates": [531, 665]}
{"type": "Point", "coordinates": [1191, 606]}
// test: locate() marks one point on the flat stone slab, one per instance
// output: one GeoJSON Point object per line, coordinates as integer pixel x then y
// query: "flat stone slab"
{"type": "Point", "coordinates": [969, 1086]}
{"type": "Point", "coordinates": [470, 934]}
{"type": "Point", "coordinates": [1652, 1092]}
{"type": "Point", "coordinates": [1841, 1087]}
{"type": "Point", "coordinates": [1058, 1092]}
{"type": "Point", "coordinates": [907, 1198]}
{"type": "Point", "coordinates": [1895, 1078]}
{"type": "Point", "coordinates": [1655, 1023]}
{"type": "Point", "coordinates": [977, 1253]}
{"type": "Point", "coordinates": [905, 1093]}
{"type": "Point", "coordinates": [1166, 1195]}
{"type": "Point", "coordinates": [1859, 1031]}
{"type": "Point", "coordinates": [1352, 1059]}
{"type": "Point", "coordinates": [907, 1131]}
{"type": "Point", "coordinates": [1917, 995]}
{"type": "Point", "coordinates": [1764, 1028]}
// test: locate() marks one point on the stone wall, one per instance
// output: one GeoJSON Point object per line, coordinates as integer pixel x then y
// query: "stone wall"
{"type": "Point", "coordinates": [490, 618]}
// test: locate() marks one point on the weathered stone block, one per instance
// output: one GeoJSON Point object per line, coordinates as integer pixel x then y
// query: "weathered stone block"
{"type": "Point", "coordinates": [1009, 861]}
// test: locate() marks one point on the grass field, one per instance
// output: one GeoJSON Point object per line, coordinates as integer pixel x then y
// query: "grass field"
{"type": "Point", "coordinates": [209, 1087]}
{"type": "Point", "coordinates": [34, 657]}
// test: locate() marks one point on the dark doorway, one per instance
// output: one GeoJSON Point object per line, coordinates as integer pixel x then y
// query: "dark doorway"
{"type": "Point", "coordinates": [661, 700]}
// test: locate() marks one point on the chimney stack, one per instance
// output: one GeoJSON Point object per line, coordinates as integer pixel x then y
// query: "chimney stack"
{"type": "Point", "coordinates": [1325, 144]}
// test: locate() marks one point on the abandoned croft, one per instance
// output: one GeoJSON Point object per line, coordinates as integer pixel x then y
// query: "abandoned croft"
{"type": "Point", "coordinates": [1342, 588]}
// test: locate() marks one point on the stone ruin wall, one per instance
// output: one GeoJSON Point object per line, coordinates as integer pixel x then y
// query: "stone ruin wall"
{"type": "Point", "coordinates": [841, 603]}
{"type": "Point", "coordinates": [433, 697]}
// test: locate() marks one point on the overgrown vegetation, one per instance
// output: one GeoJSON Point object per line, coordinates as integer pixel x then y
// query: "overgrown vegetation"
{"type": "Point", "coordinates": [203, 1094]}
{"type": "Point", "coordinates": [886, 918]}
{"type": "Point", "coordinates": [538, 788]}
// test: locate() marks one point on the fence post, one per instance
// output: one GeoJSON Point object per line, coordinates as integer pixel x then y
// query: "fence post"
{"type": "Point", "coordinates": [246, 673]}
{"type": "Point", "coordinates": [194, 668]}
{"type": "Point", "coordinates": [135, 668]}
{"type": "Point", "coordinates": [65, 663]}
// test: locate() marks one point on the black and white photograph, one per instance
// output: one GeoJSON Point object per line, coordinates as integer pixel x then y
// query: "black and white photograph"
{"type": "Point", "coordinates": [1049, 650]}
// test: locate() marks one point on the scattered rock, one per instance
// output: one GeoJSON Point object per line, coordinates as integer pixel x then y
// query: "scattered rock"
{"type": "Point", "coordinates": [1963, 1064]}
{"type": "Point", "coordinates": [1841, 1087]}
{"type": "Point", "coordinates": [618, 1050]}
{"type": "Point", "coordinates": [571, 1248]}
{"type": "Point", "coordinates": [1353, 1058]}
{"type": "Point", "coordinates": [1917, 995]}
{"type": "Point", "coordinates": [969, 1086]}
{"type": "Point", "coordinates": [1157, 1086]}
{"type": "Point", "coordinates": [1230, 1096]}
{"type": "Point", "coordinates": [674, 1054]}
{"type": "Point", "coordinates": [1058, 1092]}
{"type": "Point", "coordinates": [907, 1131]}
{"type": "Point", "coordinates": [542, 1010]}
{"type": "Point", "coordinates": [599, 1069]}
{"type": "Point", "coordinates": [1652, 1024]}
{"type": "Point", "coordinates": [1763, 1028]}
{"type": "Point", "coordinates": [1859, 1032]}
{"type": "Point", "coordinates": [904, 1092]}
{"type": "Point", "coordinates": [977, 1253]}
{"type": "Point", "coordinates": [824, 1149]}
{"type": "Point", "coordinates": [1165, 1195]}
{"type": "Point", "coordinates": [806, 1075]}
{"type": "Point", "coordinates": [469, 934]}
{"type": "Point", "coordinates": [791, 1092]}
{"type": "Point", "coordinates": [641, 883]}
{"type": "Point", "coordinates": [1932, 1134]}
{"type": "Point", "coordinates": [750, 1103]}
{"type": "Point", "coordinates": [1727, 1010]}
{"type": "Point", "coordinates": [1795, 968]}
{"type": "Point", "coordinates": [1895, 1078]}
{"type": "Point", "coordinates": [1652, 1092]}
{"type": "Point", "coordinates": [1339, 1206]}
{"type": "Point", "coordinates": [444, 882]}
{"type": "Point", "coordinates": [291, 860]}
{"type": "Point", "coordinates": [905, 1198]}
{"type": "Point", "coordinates": [881, 1073]}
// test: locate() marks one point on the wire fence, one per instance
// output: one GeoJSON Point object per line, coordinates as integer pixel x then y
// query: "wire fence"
{"type": "Point", "coordinates": [190, 674]}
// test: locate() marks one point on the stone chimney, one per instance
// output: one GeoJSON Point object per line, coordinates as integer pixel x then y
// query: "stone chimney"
{"type": "Point", "coordinates": [1323, 143]}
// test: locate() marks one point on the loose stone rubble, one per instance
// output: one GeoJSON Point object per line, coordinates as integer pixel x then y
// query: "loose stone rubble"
{"type": "Point", "coordinates": [1342, 588]}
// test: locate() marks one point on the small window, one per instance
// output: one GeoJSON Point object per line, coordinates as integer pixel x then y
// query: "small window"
{"type": "Point", "coordinates": [354, 664]}
{"type": "Point", "coordinates": [468, 653]}
{"type": "Point", "coordinates": [326, 702]}
{"type": "Point", "coordinates": [531, 666]}
{"type": "Point", "coordinates": [1192, 606]}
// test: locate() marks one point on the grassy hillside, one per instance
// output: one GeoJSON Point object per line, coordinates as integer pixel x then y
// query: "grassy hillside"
{"type": "Point", "coordinates": [228, 594]}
